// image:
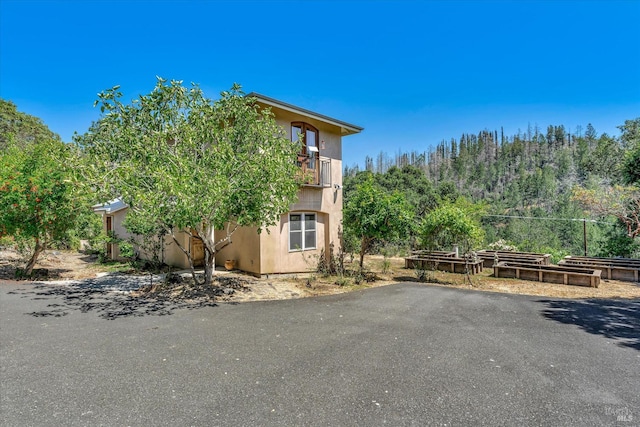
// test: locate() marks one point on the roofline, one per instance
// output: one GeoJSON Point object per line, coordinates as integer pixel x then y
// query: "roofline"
{"type": "Point", "coordinates": [106, 207]}
{"type": "Point", "coordinates": [108, 211]}
{"type": "Point", "coordinates": [347, 128]}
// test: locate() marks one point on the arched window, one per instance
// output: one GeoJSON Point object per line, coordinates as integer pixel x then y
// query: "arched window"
{"type": "Point", "coordinates": [310, 153]}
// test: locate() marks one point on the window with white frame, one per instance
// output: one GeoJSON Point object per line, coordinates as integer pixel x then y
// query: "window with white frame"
{"type": "Point", "coordinates": [302, 231]}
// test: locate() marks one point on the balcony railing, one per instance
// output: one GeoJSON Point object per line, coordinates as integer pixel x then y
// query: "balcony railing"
{"type": "Point", "coordinates": [320, 176]}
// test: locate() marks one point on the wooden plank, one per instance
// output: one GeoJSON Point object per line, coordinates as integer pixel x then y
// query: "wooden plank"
{"type": "Point", "coordinates": [550, 274]}
{"type": "Point", "coordinates": [613, 271]}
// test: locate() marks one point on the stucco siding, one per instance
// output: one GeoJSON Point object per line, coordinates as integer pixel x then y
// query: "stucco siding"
{"type": "Point", "coordinates": [172, 254]}
{"type": "Point", "coordinates": [274, 248]}
{"type": "Point", "coordinates": [244, 249]}
{"type": "Point", "coordinates": [118, 230]}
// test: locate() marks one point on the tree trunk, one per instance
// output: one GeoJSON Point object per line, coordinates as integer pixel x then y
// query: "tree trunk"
{"type": "Point", "coordinates": [188, 255]}
{"type": "Point", "coordinates": [36, 253]}
{"type": "Point", "coordinates": [364, 247]}
{"type": "Point", "coordinates": [206, 233]}
{"type": "Point", "coordinates": [209, 266]}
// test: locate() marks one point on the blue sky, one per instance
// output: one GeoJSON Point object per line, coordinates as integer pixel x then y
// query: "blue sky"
{"type": "Point", "coordinates": [410, 72]}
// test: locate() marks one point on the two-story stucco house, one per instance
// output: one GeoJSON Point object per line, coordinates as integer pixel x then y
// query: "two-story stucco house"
{"type": "Point", "coordinates": [312, 223]}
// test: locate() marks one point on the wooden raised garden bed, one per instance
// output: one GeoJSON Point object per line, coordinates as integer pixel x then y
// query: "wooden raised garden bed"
{"type": "Point", "coordinates": [566, 275]}
{"type": "Point", "coordinates": [443, 263]}
{"type": "Point", "coordinates": [514, 257]}
{"type": "Point", "coordinates": [625, 269]}
{"type": "Point", "coordinates": [434, 253]}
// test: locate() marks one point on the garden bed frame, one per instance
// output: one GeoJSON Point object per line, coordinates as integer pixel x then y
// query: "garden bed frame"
{"type": "Point", "coordinates": [424, 252]}
{"type": "Point", "coordinates": [625, 269]}
{"type": "Point", "coordinates": [448, 264]}
{"type": "Point", "coordinates": [514, 257]}
{"type": "Point", "coordinates": [566, 275]}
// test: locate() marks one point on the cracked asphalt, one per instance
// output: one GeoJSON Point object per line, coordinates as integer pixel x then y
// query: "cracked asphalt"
{"type": "Point", "coordinates": [401, 355]}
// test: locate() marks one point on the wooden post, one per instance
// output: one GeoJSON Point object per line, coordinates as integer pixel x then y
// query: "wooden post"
{"type": "Point", "coordinates": [584, 228]}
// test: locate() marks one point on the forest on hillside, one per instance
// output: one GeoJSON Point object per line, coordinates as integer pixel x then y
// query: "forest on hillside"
{"type": "Point", "coordinates": [527, 185]}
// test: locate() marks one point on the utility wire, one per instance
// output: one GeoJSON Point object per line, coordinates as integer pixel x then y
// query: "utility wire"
{"type": "Point", "coordinates": [547, 218]}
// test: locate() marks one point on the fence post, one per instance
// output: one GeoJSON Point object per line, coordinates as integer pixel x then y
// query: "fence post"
{"type": "Point", "coordinates": [584, 229]}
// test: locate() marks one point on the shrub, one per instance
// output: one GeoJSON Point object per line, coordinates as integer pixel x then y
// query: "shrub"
{"type": "Point", "coordinates": [126, 250]}
{"type": "Point", "coordinates": [386, 265]}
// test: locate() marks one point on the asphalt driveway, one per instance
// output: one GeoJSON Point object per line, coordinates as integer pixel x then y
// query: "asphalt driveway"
{"type": "Point", "coordinates": [399, 355]}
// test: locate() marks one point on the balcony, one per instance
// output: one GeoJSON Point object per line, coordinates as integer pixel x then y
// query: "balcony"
{"type": "Point", "coordinates": [318, 176]}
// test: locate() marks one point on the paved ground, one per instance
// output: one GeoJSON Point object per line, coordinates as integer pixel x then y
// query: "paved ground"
{"type": "Point", "coordinates": [400, 355]}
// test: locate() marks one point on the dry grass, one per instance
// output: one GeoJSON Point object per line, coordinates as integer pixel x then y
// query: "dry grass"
{"type": "Point", "coordinates": [73, 265]}
{"type": "Point", "coordinates": [486, 282]}
{"type": "Point", "coordinates": [481, 282]}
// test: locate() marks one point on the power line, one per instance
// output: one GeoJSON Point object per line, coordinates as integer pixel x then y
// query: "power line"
{"type": "Point", "coordinates": [582, 220]}
{"type": "Point", "coordinates": [546, 218]}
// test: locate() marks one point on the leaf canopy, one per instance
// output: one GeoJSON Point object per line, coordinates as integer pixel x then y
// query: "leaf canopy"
{"type": "Point", "coordinates": [180, 160]}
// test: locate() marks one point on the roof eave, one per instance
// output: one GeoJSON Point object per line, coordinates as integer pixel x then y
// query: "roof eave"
{"type": "Point", "coordinates": [345, 128]}
{"type": "Point", "coordinates": [110, 207]}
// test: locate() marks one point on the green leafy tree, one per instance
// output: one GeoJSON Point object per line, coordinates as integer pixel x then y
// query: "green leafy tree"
{"type": "Point", "coordinates": [371, 213]}
{"type": "Point", "coordinates": [20, 128]}
{"type": "Point", "coordinates": [182, 162]}
{"type": "Point", "coordinates": [631, 139]}
{"type": "Point", "coordinates": [616, 242]}
{"type": "Point", "coordinates": [37, 203]}
{"type": "Point", "coordinates": [413, 183]}
{"type": "Point", "coordinates": [604, 160]}
{"type": "Point", "coordinates": [449, 224]}
{"type": "Point", "coordinates": [147, 237]}
{"type": "Point", "coordinates": [448, 192]}
{"type": "Point", "coordinates": [617, 201]}
{"type": "Point", "coordinates": [631, 167]}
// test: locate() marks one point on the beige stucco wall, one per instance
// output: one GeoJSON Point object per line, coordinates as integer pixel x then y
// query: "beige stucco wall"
{"type": "Point", "coordinates": [268, 253]}
{"type": "Point", "coordinates": [171, 253]}
{"type": "Point", "coordinates": [328, 133]}
{"type": "Point", "coordinates": [244, 249]}
{"type": "Point", "coordinates": [326, 202]}
{"type": "Point", "coordinates": [117, 218]}
{"type": "Point", "coordinates": [274, 248]}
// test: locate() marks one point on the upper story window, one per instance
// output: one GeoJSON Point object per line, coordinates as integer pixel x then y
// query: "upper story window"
{"type": "Point", "coordinates": [310, 153]}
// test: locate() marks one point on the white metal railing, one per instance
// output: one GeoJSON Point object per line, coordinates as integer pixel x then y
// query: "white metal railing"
{"type": "Point", "coordinates": [320, 176]}
{"type": "Point", "coordinates": [325, 172]}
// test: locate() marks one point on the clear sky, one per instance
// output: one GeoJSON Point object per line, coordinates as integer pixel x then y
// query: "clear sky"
{"type": "Point", "coordinates": [410, 72]}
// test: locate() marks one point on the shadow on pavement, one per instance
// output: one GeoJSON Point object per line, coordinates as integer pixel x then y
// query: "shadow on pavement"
{"type": "Point", "coordinates": [618, 320]}
{"type": "Point", "coordinates": [110, 297]}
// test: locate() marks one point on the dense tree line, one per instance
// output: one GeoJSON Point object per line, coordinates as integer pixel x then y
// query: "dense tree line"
{"type": "Point", "coordinates": [532, 175]}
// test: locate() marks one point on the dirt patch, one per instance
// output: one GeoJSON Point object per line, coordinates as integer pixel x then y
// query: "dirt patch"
{"type": "Point", "coordinates": [239, 287]}
{"type": "Point", "coordinates": [54, 265]}
{"type": "Point", "coordinates": [486, 282]}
